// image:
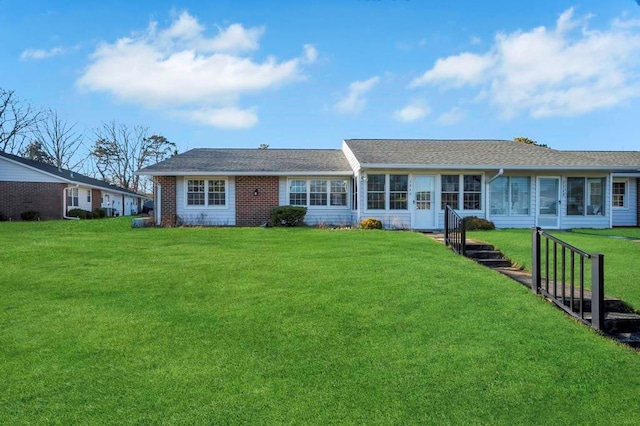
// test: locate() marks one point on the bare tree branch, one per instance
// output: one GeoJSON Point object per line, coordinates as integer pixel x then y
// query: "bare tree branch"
{"type": "Point", "coordinates": [17, 120]}
{"type": "Point", "coordinates": [120, 150]}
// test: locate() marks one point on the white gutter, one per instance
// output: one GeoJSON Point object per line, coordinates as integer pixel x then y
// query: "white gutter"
{"type": "Point", "coordinates": [64, 203]}
{"type": "Point", "coordinates": [157, 206]}
{"type": "Point", "coordinates": [247, 173]}
{"type": "Point", "coordinates": [619, 169]}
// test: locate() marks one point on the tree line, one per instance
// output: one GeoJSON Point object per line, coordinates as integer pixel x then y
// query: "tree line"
{"type": "Point", "coordinates": [112, 152]}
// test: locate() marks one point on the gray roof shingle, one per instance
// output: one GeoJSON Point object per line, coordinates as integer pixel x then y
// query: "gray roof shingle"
{"type": "Point", "coordinates": [67, 175]}
{"type": "Point", "coordinates": [209, 160]}
{"type": "Point", "coordinates": [489, 153]}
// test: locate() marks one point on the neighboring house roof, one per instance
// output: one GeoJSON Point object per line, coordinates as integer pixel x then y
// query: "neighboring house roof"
{"type": "Point", "coordinates": [426, 153]}
{"type": "Point", "coordinates": [208, 161]}
{"type": "Point", "coordinates": [67, 175]}
{"type": "Point", "coordinates": [621, 158]}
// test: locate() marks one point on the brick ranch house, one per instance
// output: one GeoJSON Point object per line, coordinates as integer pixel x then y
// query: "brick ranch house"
{"type": "Point", "coordinates": [404, 183]}
{"type": "Point", "coordinates": [32, 185]}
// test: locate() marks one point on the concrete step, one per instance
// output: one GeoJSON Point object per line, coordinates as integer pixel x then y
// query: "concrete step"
{"type": "Point", "coordinates": [630, 339]}
{"type": "Point", "coordinates": [610, 304]}
{"type": "Point", "coordinates": [473, 246]}
{"type": "Point", "coordinates": [620, 322]}
{"type": "Point", "coordinates": [483, 254]}
{"type": "Point", "coordinates": [494, 263]}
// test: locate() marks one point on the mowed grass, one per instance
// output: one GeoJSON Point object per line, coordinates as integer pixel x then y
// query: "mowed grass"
{"type": "Point", "coordinates": [104, 324]}
{"type": "Point", "coordinates": [620, 246]}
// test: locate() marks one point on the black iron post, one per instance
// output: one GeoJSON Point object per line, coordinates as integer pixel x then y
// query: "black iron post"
{"type": "Point", "coordinates": [446, 225]}
{"type": "Point", "coordinates": [597, 291]}
{"type": "Point", "coordinates": [535, 260]}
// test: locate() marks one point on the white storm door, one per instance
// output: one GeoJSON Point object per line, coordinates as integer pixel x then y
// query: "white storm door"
{"type": "Point", "coordinates": [549, 202]}
{"type": "Point", "coordinates": [424, 209]}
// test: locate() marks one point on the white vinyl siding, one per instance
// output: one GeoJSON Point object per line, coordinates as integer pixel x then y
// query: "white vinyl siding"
{"type": "Point", "coordinates": [627, 216]}
{"type": "Point", "coordinates": [322, 214]}
{"type": "Point", "coordinates": [12, 172]}
{"type": "Point", "coordinates": [206, 215]}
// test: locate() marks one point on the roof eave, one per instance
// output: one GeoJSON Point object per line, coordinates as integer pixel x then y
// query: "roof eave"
{"type": "Point", "coordinates": [245, 173]}
{"type": "Point", "coordinates": [485, 167]}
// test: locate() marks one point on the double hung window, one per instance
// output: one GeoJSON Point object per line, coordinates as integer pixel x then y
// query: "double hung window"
{"type": "Point", "coordinates": [206, 192]}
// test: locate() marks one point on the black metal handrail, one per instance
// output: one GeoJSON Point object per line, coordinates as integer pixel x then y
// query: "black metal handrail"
{"type": "Point", "coordinates": [455, 235]}
{"type": "Point", "coordinates": [567, 288]}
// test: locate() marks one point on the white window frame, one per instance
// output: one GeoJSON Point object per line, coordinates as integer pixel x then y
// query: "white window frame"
{"type": "Point", "coordinates": [206, 205]}
{"type": "Point", "coordinates": [88, 195]}
{"type": "Point", "coordinates": [509, 211]}
{"type": "Point", "coordinates": [461, 191]}
{"type": "Point", "coordinates": [387, 192]}
{"type": "Point", "coordinates": [73, 197]}
{"type": "Point", "coordinates": [586, 196]}
{"type": "Point", "coordinates": [328, 181]}
{"type": "Point", "coordinates": [625, 196]}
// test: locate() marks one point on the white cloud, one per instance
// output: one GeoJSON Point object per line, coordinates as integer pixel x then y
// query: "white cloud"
{"type": "Point", "coordinates": [355, 100]}
{"type": "Point", "coordinates": [310, 53]}
{"type": "Point", "coordinates": [37, 54]}
{"type": "Point", "coordinates": [455, 71]}
{"type": "Point", "coordinates": [415, 111]}
{"type": "Point", "coordinates": [567, 70]}
{"type": "Point", "coordinates": [181, 67]}
{"type": "Point", "coordinates": [226, 118]}
{"type": "Point", "coordinates": [451, 117]}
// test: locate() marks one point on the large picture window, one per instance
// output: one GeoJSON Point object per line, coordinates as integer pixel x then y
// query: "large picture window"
{"type": "Point", "coordinates": [376, 192]}
{"type": "Point", "coordinates": [471, 193]}
{"type": "Point", "coordinates": [203, 192]}
{"type": "Point", "coordinates": [619, 194]}
{"type": "Point", "coordinates": [585, 196]}
{"type": "Point", "coordinates": [398, 190]}
{"type": "Point", "coordinates": [510, 196]}
{"type": "Point", "coordinates": [318, 192]}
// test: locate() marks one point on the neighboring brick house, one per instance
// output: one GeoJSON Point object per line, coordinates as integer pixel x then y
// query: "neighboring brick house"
{"type": "Point", "coordinates": [404, 183]}
{"type": "Point", "coordinates": [27, 185]}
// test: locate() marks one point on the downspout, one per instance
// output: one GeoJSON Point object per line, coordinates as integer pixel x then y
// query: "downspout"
{"type": "Point", "coordinates": [64, 203]}
{"type": "Point", "coordinates": [488, 194]}
{"type": "Point", "coordinates": [156, 202]}
{"type": "Point", "coordinates": [500, 173]}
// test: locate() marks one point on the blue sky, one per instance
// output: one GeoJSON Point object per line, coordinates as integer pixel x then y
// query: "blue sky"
{"type": "Point", "coordinates": [308, 74]}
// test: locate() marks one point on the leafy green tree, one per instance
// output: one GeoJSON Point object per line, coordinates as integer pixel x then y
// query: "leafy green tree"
{"type": "Point", "coordinates": [35, 151]}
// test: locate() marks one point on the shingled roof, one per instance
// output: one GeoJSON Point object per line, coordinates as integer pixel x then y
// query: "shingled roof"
{"type": "Point", "coordinates": [620, 158]}
{"type": "Point", "coordinates": [67, 175]}
{"type": "Point", "coordinates": [472, 154]}
{"type": "Point", "coordinates": [263, 161]}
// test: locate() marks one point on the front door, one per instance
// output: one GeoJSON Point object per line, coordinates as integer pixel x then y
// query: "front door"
{"type": "Point", "coordinates": [424, 212]}
{"type": "Point", "coordinates": [549, 202]}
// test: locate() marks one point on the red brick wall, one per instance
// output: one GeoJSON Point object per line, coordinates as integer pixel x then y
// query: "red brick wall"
{"type": "Point", "coordinates": [96, 199]}
{"type": "Point", "coordinates": [253, 210]}
{"type": "Point", "coordinates": [43, 197]}
{"type": "Point", "coordinates": [168, 200]}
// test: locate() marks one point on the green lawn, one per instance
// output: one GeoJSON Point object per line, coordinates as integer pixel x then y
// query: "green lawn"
{"type": "Point", "coordinates": [621, 250]}
{"type": "Point", "coordinates": [104, 324]}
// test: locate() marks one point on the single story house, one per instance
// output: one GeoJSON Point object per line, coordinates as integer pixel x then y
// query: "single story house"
{"type": "Point", "coordinates": [404, 183]}
{"type": "Point", "coordinates": [28, 185]}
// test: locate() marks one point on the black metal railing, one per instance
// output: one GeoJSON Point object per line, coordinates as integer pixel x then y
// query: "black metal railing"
{"type": "Point", "coordinates": [455, 235]}
{"type": "Point", "coordinates": [560, 272]}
